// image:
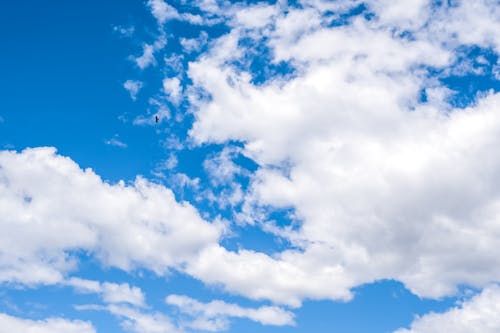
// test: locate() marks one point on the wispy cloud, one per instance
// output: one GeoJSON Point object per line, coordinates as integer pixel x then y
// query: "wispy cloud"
{"type": "Point", "coordinates": [214, 316]}
{"type": "Point", "coordinates": [115, 141]}
{"type": "Point", "coordinates": [112, 293]}
{"type": "Point", "coordinates": [51, 325]}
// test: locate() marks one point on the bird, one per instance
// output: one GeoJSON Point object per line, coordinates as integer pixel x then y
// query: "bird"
{"type": "Point", "coordinates": [157, 120]}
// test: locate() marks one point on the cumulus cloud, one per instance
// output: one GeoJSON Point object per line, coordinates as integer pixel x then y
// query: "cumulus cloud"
{"type": "Point", "coordinates": [477, 315]}
{"type": "Point", "coordinates": [285, 278]}
{"type": "Point", "coordinates": [386, 186]}
{"type": "Point", "coordinates": [213, 316]}
{"type": "Point", "coordinates": [52, 207]}
{"type": "Point", "coordinates": [10, 324]}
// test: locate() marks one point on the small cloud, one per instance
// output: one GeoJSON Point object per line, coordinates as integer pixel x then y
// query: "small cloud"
{"type": "Point", "coordinates": [171, 162]}
{"type": "Point", "coordinates": [174, 63]}
{"type": "Point", "coordinates": [133, 87]}
{"type": "Point", "coordinates": [148, 50]}
{"type": "Point", "coordinates": [194, 44]}
{"type": "Point", "coordinates": [162, 11]}
{"type": "Point", "coordinates": [173, 89]}
{"type": "Point", "coordinates": [114, 141]}
{"type": "Point", "coordinates": [214, 316]}
{"type": "Point", "coordinates": [124, 31]}
{"type": "Point", "coordinates": [147, 58]}
{"type": "Point", "coordinates": [173, 143]}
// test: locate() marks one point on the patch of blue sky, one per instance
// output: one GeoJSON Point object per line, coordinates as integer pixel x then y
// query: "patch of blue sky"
{"type": "Point", "coordinates": [340, 19]}
{"type": "Point", "coordinates": [472, 75]}
{"type": "Point", "coordinates": [254, 238]}
{"type": "Point", "coordinates": [64, 86]}
{"type": "Point", "coordinates": [378, 307]}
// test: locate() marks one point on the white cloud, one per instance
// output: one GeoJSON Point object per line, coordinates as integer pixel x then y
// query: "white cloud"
{"type": "Point", "coordinates": [162, 11]}
{"type": "Point", "coordinates": [452, 23]}
{"type": "Point", "coordinates": [136, 321]}
{"type": "Point", "coordinates": [110, 292]}
{"type": "Point", "coordinates": [221, 166]}
{"type": "Point", "coordinates": [124, 31]}
{"type": "Point", "coordinates": [173, 89]}
{"type": "Point", "coordinates": [148, 53]}
{"type": "Point", "coordinates": [477, 315]}
{"type": "Point", "coordinates": [194, 44]}
{"type": "Point", "coordinates": [170, 163]}
{"type": "Point", "coordinates": [147, 58]}
{"type": "Point", "coordinates": [255, 16]}
{"type": "Point", "coordinates": [213, 316]}
{"type": "Point", "coordinates": [470, 23]}
{"type": "Point", "coordinates": [133, 87]}
{"type": "Point", "coordinates": [9, 324]}
{"type": "Point", "coordinates": [286, 278]}
{"type": "Point", "coordinates": [386, 187]}
{"type": "Point", "coordinates": [408, 15]}
{"type": "Point", "coordinates": [52, 207]}
{"type": "Point", "coordinates": [115, 141]}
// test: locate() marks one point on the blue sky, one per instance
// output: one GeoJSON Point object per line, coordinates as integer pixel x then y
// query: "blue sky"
{"type": "Point", "coordinates": [317, 166]}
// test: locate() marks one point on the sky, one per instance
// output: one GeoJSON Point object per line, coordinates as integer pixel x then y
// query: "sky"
{"type": "Point", "coordinates": [176, 166]}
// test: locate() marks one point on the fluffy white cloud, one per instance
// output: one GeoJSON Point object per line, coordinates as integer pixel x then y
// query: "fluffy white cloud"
{"type": "Point", "coordinates": [405, 15]}
{"type": "Point", "coordinates": [147, 58]}
{"type": "Point", "coordinates": [386, 186]}
{"type": "Point", "coordinates": [110, 292]}
{"type": "Point", "coordinates": [173, 89]}
{"type": "Point", "coordinates": [213, 316]}
{"type": "Point", "coordinates": [469, 23]}
{"type": "Point", "coordinates": [9, 324]}
{"type": "Point", "coordinates": [50, 207]}
{"type": "Point", "coordinates": [285, 278]}
{"type": "Point", "coordinates": [255, 16]}
{"type": "Point", "coordinates": [477, 315]}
